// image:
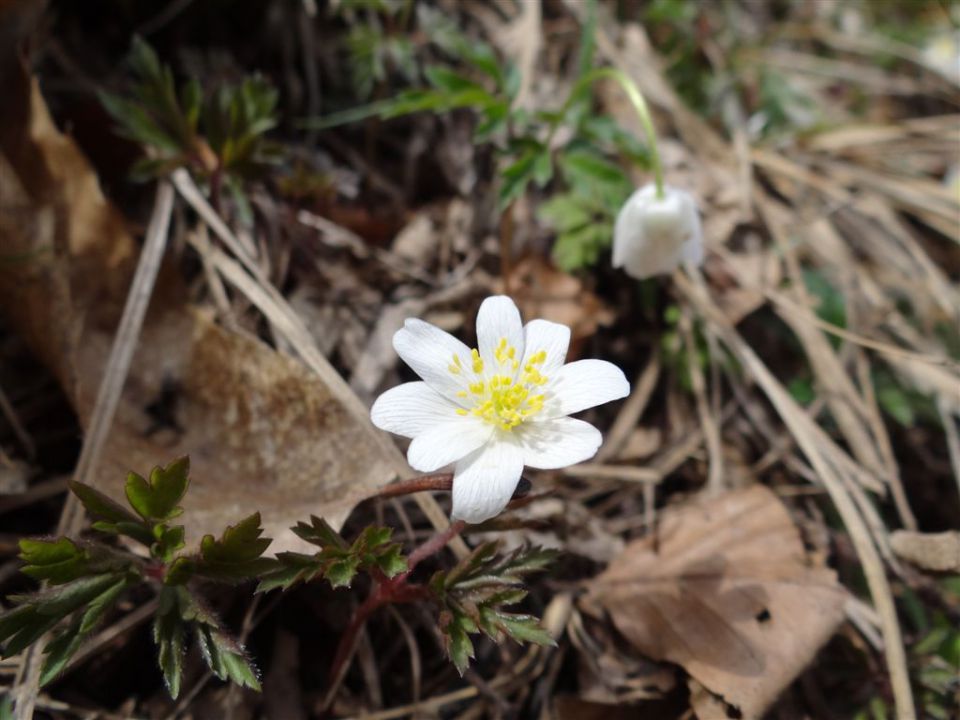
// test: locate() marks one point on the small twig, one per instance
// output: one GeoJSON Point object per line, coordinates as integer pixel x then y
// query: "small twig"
{"type": "Point", "coordinates": [22, 435]}
{"type": "Point", "coordinates": [711, 430]}
{"type": "Point", "coordinates": [433, 545]}
{"type": "Point", "coordinates": [631, 410]}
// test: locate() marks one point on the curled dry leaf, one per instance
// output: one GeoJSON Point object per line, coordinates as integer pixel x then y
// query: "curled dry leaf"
{"type": "Point", "coordinates": [931, 551]}
{"type": "Point", "coordinates": [727, 593]}
{"type": "Point", "coordinates": [261, 430]}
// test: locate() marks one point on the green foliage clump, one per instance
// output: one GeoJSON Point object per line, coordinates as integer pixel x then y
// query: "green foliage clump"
{"type": "Point", "coordinates": [473, 594]}
{"type": "Point", "coordinates": [217, 134]}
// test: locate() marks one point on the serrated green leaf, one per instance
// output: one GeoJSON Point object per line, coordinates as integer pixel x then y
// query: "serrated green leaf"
{"type": "Point", "coordinates": [136, 124]}
{"type": "Point", "coordinates": [524, 628]}
{"type": "Point", "coordinates": [227, 658]}
{"type": "Point", "coordinates": [58, 561]}
{"type": "Point", "coordinates": [319, 532]}
{"type": "Point", "coordinates": [340, 573]}
{"type": "Point", "coordinates": [23, 626]}
{"type": "Point", "coordinates": [237, 554]}
{"type": "Point", "coordinates": [171, 539]}
{"type": "Point", "coordinates": [291, 569]}
{"type": "Point", "coordinates": [371, 538]}
{"type": "Point", "coordinates": [456, 641]}
{"type": "Point", "coordinates": [101, 506]}
{"type": "Point", "coordinates": [543, 168]}
{"type": "Point", "coordinates": [64, 646]}
{"type": "Point", "coordinates": [170, 633]}
{"type": "Point", "coordinates": [157, 500]}
{"type": "Point", "coordinates": [180, 571]}
{"type": "Point", "coordinates": [581, 247]}
{"type": "Point", "coordinates": [59, 651]}
{"type": "Point", "coordinates": [565, 213]}
{"type": "Point", "coordinates": [136, 530]}
{"type": "Point", "coordinates": [515, 178]}
{"type": "Point", "coordinates": [62, 600]}
{"type": "Point", "coordinates": [391, 561]}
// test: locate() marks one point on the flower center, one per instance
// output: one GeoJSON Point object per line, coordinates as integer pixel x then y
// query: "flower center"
{"type": "Point", "coordinates": [506, 398]}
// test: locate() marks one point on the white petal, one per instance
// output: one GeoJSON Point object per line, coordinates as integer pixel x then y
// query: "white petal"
{"type": "Point", "coordinates": [551, 337]}
{"type": "Point", "coordinates": [557, 443]}
{"type": "Point", "coordinates": [484, 481]}
{"type": "Point", "coordinates": [410, 409]}
{"type": "Point", "coordinates": [498, 318]}
{"type": "Point", "coordinates": [652, 235]}
{"type": "Point", "coordinates": [584, 384]}
{"type": "Point", "coordinates": [447, 442]}
{"type": "Point", "coordinates": [430, 351]}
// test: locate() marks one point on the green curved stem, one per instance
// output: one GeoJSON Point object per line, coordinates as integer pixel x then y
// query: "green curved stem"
{"type": "Point", "coordinates": [639, 104]}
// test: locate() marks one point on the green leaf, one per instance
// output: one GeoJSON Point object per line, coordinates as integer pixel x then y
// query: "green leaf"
{"type": "Point", "coordinates": [59, 651]}
{"type": "Point", "coordinates": [136, 530]}
{"type": "Point", "coordinates": [582, 246]}
{"type": "Point", "coordinates": [101, 506]}
{"type": "Point", "coordinates": [22, 626]}
{"type": "Point", "coordinates": [524, 628]}
{"type": "Point", "coordinates": [372, 537]}
{"type": "Point", "coordinates": [180, 571]}
{"type": "Point", "coordinates": [565, 212]}
{"type": "Point", "coordinates": [591, 175]}
{"type": "Point", "coordinates": [237, 554]}
{"type": "Point", "coordinates": [447, 80]}
{"type": "Point", "coordinates": [170, 540]}
{"type": "Point", "coordinates": [227, 658]}
{"type": "Point", "coordinates": [62, 600]}
{"type": "Point", "coordinates": [291, 568]}
{"type": "Point", "coordinates": [170, 634]}
{"type": "Point", "coordinates": [543, 168]}
{"type": "Point", "coordinates": [392, 562]}
{"type": "Point", "coordinates": [58, 561]}
{"type": "Point", "coordinates": [515, 178]}
{"type": "Point", "coordinates": [157, 500]}
{"type": "Point", "coordinates": [340, 573]}
{"type": "Point", "coordinates": [319, 532]}
{"type": "Point", "coordinates": [456, 640]}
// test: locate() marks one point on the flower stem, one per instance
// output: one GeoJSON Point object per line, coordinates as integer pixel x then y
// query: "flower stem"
{"type": "Point", "coordinates": [639, 104]}
{"type": "Point", "coordinates": [434, 545]}
{"type": "Point", "coordinates": [438, 482]}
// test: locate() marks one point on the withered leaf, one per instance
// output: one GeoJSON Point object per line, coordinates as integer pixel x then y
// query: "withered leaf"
{"type": "Point", "coordinates": [727, 593]}
{"type": "Point", "coordinates": [262, 432]}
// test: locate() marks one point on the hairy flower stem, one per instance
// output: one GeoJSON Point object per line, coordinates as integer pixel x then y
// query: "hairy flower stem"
{"type": "Point", "coordinates": [639, 104]}
{"type": "Point", "coordinates": [438, 482]}
{"type": "Point", "coordinates": [385, 591]}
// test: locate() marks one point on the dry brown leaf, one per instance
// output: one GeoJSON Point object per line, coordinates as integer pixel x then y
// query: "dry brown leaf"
{"type": "Point", "coordinates": [727, 593]}
{"type": "Point", "coordinates": [262, 431]}
{"type": "Point", "coordinates": [542, 291]}
{"type": "Point", "coordinates": [931, 551]}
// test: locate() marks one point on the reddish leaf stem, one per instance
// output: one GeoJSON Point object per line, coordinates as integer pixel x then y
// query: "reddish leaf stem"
{"type": "Point", "coordinates": [385, 591]}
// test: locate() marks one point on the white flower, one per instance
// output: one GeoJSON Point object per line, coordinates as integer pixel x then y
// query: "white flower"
{"type": "Point", "coordinates": [495, 409]}
{"type": "Point", "coordinates": [653, 236]}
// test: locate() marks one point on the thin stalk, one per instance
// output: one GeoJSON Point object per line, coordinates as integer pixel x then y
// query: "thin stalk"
{"type": "Point", "coordinates": [639, 104]}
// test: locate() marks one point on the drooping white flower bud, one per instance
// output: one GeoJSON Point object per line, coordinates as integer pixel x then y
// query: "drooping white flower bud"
{"type": "Point", "coordinates": [653, 236]}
